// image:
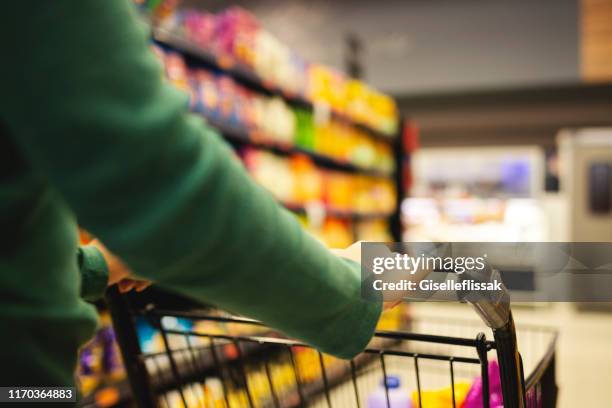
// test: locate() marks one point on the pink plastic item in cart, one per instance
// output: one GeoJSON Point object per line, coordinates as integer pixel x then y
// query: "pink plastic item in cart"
{"type": "Point", "coordinates": [474, 397]}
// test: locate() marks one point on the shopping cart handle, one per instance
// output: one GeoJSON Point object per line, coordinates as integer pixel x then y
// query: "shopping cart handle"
{"type": "Point", "coordinates": [492, 306]}
{"type": "Point", "coordinates": [494, 309]}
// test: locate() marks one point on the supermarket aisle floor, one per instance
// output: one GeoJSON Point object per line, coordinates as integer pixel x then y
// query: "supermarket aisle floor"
{"type": "Point", "coordinates": [584, 355]}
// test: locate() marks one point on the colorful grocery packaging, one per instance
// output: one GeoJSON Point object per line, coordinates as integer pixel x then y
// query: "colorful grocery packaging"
{"type": "Point", "coordinates": [200, 28]}
{"type": "Point", "coordinates": [442, 398]}
{"type": "Point", "coordinates": [237, 38]}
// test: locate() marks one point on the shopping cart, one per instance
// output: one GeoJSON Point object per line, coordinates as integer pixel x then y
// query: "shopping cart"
{"type": "Point", "coordinates": [209, 359]}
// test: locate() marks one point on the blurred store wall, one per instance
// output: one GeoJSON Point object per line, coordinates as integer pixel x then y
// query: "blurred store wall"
{"type": "Point", "coordinates": [416, 46]}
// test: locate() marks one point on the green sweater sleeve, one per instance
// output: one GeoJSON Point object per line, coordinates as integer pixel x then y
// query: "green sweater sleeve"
{"type": "Point", "coordinates": [94, 273]}
{"type": "Point", "coordinates": [85, 97]}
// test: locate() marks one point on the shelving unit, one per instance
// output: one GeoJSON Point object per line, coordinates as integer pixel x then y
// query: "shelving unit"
{"type": "Point", "coordinates": [241, 136]}
{"type": "Point", "coordinates": [247, 77]}
{"type": "Point", "coordinates": [238, 135]}
{"type": "Point", "coordinates": [165, 382]}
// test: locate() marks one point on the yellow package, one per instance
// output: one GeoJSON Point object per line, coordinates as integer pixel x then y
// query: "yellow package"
{"type": "Point", "coordinates": [442, 398]}
{"type": "Point", "coordinates": [391, 319]}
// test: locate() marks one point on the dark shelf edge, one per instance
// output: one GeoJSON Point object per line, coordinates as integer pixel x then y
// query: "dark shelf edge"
{"type": "Point", "coordinates": [240, 135]}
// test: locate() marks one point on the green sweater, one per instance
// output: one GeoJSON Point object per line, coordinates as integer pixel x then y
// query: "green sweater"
{"type": "Point", "coordinates": [90, 131]}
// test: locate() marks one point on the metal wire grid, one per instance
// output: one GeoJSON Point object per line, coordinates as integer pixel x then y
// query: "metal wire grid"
{"type": "Point", "coordinates": [190, 360]}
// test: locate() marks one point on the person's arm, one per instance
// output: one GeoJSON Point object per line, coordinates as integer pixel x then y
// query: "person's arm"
{"type": "Point", "coordinates": [86, 98]}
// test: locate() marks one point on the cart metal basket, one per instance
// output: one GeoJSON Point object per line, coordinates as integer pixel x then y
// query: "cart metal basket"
{"type": "Point", "coordinates": [219, 360]}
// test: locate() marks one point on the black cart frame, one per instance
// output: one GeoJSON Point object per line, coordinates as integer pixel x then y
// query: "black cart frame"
{"type": "Point", "coordinates": [191, 364]}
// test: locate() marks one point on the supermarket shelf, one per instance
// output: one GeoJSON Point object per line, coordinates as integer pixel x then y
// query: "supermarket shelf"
{"type": "Point", "coordinates": [242, 136]}
{"type": "Point", "coordinates": [335, 376]}
{"type": "Point", "coordinates": [189, 370]}
{"type": "Point", "coordinates": [248, 77]}
{"type": "Point", "coordinates": [228, 65]}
